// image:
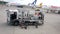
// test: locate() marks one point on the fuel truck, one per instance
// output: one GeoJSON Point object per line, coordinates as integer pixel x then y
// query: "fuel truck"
{"type": "Point", "coordinates": [25, 16]}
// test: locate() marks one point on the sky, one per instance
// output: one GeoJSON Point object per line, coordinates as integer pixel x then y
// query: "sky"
{"type": "Point", "coordinates": [45, 2]}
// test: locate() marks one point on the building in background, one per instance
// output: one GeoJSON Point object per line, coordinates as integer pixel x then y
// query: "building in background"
{"type": "Point", "coordinates": [3, 2]}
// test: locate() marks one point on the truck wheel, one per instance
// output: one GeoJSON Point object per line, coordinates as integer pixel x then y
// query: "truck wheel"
{"type": "Point", "coordinates": [16, 23]}
{"type": "Point", "coordinates": [36, 26]}
{"type": "Point", "coordinates": [42, 22]}
{"type": "Point", "coordinates": [58, 12]}
{"type": "Point", "coordinates": [25, 27]}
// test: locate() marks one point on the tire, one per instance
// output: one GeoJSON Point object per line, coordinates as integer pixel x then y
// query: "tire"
{"type": "Point", "coordinates": [36, 26]}
{"type": "Point", "coordinates": [16, 23]}
{"type": "Point", "coordinates": [42, 22]}
{"type": "Point", "coordinates": [58, 12]}
{"type": "Point", "coordinates": [25, 27]}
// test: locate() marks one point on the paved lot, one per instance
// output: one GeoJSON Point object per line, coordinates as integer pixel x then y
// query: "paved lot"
{"type": "Point", "coordinates": [51, 26]}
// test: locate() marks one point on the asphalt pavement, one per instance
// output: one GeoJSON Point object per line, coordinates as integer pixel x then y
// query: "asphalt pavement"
{"type": "Point", "coordinates": [51, 25]}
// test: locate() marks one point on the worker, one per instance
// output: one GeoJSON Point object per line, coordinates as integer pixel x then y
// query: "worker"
{"type": "Point", "coordinates": [13, 16]}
